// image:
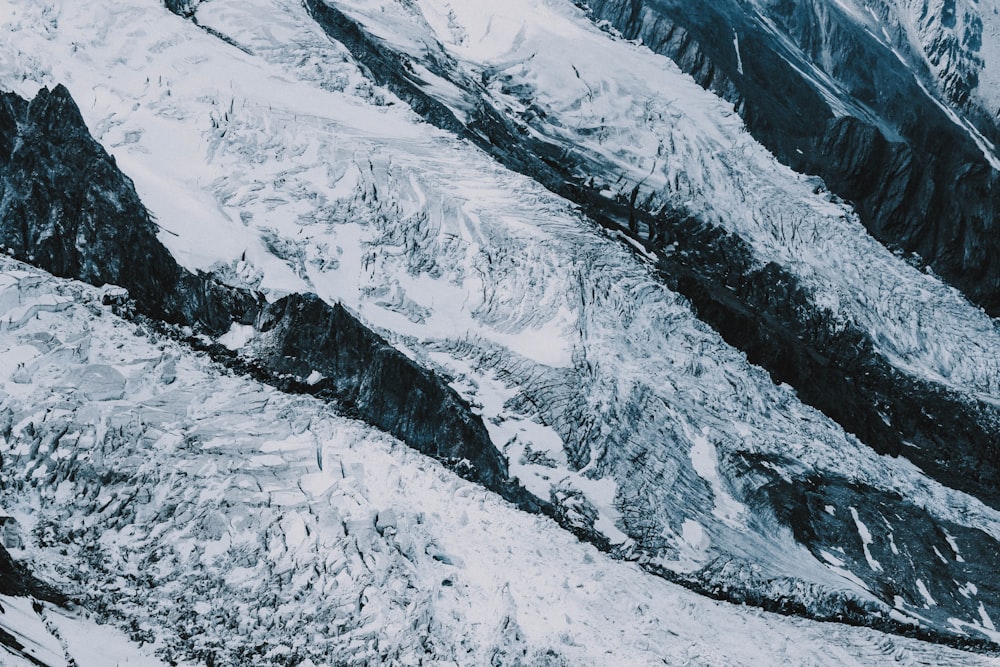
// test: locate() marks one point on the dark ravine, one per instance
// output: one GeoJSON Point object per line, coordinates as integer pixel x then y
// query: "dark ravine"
{"type": "Point", "coordinates": [917, 180]}
{"type": "Point", "coordinates": [66, 208]}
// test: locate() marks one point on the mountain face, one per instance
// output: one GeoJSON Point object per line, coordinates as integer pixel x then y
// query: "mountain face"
{"type": "Point", "coordinates": [539, 253]}
{"type": "Point", "coordinates": [893, 104]}
{"type": "Point", "coordinates": [67, 209]}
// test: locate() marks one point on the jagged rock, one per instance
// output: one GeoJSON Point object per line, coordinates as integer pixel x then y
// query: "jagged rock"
{"type": "Point", "coordinates": [17, 580]}
{"type": "Point", "coordinates": [66, 207]}
{"type": "Point", "coordinates": [185, 8]}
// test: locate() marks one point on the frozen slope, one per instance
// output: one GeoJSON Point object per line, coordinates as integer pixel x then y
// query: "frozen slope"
{"type": "Point", "coordinates": [892, 102]}
{"type": "Point", "coordinates": [217, 519]}
{"type": "Point", "coordinates": [648, 126]}
{"type": "Point", "coordinates": [44, 635]}
{"type": "Point", "coordinates": [271, 158]}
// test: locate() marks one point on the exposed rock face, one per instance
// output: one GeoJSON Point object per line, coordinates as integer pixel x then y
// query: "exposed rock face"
{"type": "Point", "coordinates": [895, 547]}
{"type": "Point", "coordinates": [871, 131]}
{"type": "Point", "coordinates": [183, 8]}
{"type": "Point", "coordinates": [66, 208]}
{"type": "Point", "coordinates": [16, 580]}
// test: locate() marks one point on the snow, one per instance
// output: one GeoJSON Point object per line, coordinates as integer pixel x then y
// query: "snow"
{"type": "Point", "coordinates": [954, 547]}
{"type": "Point", "coordinates": [211, 556]}
{"type": "Point", "coordinates": [284, 158]}
{"type": "Point", "coordinates": [866, 540]}
{"type": "Point", "coordinates": [238, 336]}
{"type": "Point", "coordinates": [987, 621]}
{"type": "Point", "coordinates": [704, 458]}
{"type": "Point", "coordinates": [922, 587]}
{"type": "Point", "coordinates": [27, 627]}
{"type": "Point", "coordinates": [736, 47]}
{"type": "Point", "coordinates": [94, 645]}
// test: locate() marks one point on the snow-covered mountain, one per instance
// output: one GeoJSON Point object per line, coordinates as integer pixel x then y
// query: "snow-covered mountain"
{"type": "Point", "coordinates": [219, 521]}
{"type": "Point", "coordinates": [893, 103]}
{"type": "Point", "coordinates": [516, 242]}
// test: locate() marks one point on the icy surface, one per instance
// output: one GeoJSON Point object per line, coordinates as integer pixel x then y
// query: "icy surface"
{"type": "Point", "coordinates": [194, 514]}
{"type": "Point", "coordinates": [277, 159]}
{"type": "Point", "coordinates": [650, 126]}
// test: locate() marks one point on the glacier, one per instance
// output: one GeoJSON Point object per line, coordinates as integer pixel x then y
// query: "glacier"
{"type": "Point", "coordinates": [216, 520]}
{"type": "Point", "coordinates": [270, 157]}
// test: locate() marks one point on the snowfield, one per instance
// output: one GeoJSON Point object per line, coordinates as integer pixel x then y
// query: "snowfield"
{"type": "Point", "coordinates": [270, 158]}
{"type": "Point", "coordinates": [210, 516]}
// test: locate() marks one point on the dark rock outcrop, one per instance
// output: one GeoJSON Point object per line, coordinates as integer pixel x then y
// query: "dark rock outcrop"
{"type": "Point", "coordinates": [17, 581]}
{"type": "Point", "coordinates": [300, 334]}
{"type": "Point", "coordinates": [67, 208]}
{"type": "Point", "coordinates": [933, 568]}
{"type": "Point", "coordinates": [185, 8]}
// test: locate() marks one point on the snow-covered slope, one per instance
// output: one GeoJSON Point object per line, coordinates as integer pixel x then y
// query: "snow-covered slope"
{"type": "Point", "coordinates": [269, 157]}
{"type": "Point", "coordinates": [891, 102]}
{"type": "Point", "coordinates": [219, 520]}
{"type": "Point", "coordinates": [52, 636]}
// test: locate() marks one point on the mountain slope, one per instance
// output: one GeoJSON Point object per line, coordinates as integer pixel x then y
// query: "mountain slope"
{"type": "Point", "coordinates": [767, 257]}
{"type": "Point", "coordinates": [893, 103]}
{"type": "Point", "coordinates": [269, 157]}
